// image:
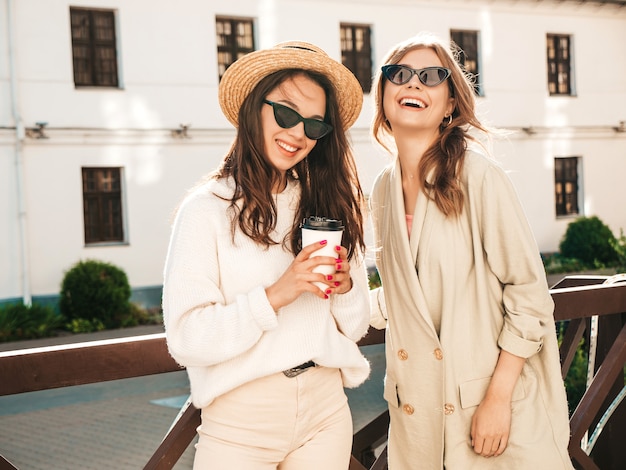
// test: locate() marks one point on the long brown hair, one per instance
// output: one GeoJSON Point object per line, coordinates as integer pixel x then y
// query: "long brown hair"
{"type": "Point", "coordinates": [442, 163]}
{"type": "Point", "coordinates": [328, 175]}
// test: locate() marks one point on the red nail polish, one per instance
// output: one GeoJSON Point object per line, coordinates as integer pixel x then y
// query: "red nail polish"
{"type": "Point", "coordinates": [323, 242]}
{"type": "Point", "coordinates": [336, 284]}
{"type": "Point", "coordinates": [329, 277]}
{"type": "Point", "coordinates": [338, 248]}
{"type": "Point", "coordinates": [328, 291]}
{"type": "Point", "coordinates": [325, 296]}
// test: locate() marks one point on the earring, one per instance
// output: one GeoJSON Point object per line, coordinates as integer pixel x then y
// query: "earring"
{"type": "Point", "coordinates": [446, 124]}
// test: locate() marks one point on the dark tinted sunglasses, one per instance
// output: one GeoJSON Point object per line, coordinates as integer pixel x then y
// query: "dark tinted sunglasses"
{"type": "Point", "coordinates": [401, 74]}
{"type": "Point", "coordinates": [288, 118]}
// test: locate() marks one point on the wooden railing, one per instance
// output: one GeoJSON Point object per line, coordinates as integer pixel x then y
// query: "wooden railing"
{"type": "Point", "coordinates": [577, 299]}
{"type": "Point", "coordinates": [593, 308]}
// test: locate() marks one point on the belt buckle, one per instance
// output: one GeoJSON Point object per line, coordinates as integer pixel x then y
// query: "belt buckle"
{"type": "Point", "coordinates": [295, 371]}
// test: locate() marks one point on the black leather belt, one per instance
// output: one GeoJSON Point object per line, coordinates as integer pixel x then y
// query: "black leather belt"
{"type": "Point", "coordinates": [298, 369]}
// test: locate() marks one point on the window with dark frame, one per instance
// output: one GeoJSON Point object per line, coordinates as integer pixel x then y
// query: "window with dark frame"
{"type": "Point", "coordinates": [235, 38]}
{"type": "Point", "coordinates": [102, 205]}
{"type": "Point", "coordinates": [566, 185]}
{"type": "Point", "coordinates": [94, 48]}
{"type": "Point", "coordinates": [559, 64]}
{"type": "Point", "coordinates": [356, 52]}
{"type": "Point", "coordinates": [468, 43]}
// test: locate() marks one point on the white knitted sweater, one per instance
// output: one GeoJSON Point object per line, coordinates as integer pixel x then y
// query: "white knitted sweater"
{"type": "Point", "coordinates": [218, 321]}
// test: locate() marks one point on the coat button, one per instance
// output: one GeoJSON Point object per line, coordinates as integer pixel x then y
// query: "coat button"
{"type": "Point", "coordinates": [448, 408]}
{"type": "Point", "coordinates": [438, 354]}
{"type": "Point", "coordinates": [408, 409]}
{"type": "Point", "coordinates": [403, 355]}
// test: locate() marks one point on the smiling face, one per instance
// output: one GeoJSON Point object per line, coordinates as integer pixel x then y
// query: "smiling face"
{"type": "Point", "coordinates": [415, 106]}
{"type": "Point", "coordinates": [285, 148]}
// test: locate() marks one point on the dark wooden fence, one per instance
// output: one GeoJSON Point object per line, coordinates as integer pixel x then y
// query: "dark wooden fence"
{"type": "Point", "coordinates": [579, 301]}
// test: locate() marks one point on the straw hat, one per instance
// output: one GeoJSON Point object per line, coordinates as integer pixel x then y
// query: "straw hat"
{"type": "Point", "coordinates": [244, 74]}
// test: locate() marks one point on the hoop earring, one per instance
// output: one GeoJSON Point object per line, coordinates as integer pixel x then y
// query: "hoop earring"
{"type": "Point", "coordinates": [446, 124]}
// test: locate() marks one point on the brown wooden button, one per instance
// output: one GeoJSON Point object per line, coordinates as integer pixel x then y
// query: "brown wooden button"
{"type": "Point", "coordinates": [403, 355]}
{"type": "Point", "coordinates": [448, 408]}
{"type": "Point", "coordinates": [408, 409]}
{"type": "Point", "coordinates": [438, 354]}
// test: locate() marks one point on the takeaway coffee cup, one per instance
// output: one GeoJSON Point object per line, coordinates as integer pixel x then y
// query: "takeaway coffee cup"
{"type": "Point", "coordinates": [315, 229]}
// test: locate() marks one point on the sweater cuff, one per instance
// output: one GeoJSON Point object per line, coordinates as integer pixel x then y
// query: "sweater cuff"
{"type": "Point", "coordinates": [518, 346]}
{"type": "Point", "coordinates": [348, 299]}
{"type": "Point", "coordinates": [261, 309]}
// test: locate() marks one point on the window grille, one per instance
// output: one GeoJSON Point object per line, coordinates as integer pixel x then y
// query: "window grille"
{"type": "Point", "coordinates": [356, 52]}
{"type": "Point", "coordinates": [102, 205]}
{"type": "Point", "coordinates": [559, 64]}
{"type": "Point", "coordinates": [468, 43]}
{"type": "Point", "coordinates": [235, 38]}
{"type": "Point", "coordinates": [94, 48]}
{"type": "Point", "coordinates": [566, 186]}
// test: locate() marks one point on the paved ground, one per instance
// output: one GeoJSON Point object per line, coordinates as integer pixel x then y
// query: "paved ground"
{"type": "Point", "coordinates": [118, 425]}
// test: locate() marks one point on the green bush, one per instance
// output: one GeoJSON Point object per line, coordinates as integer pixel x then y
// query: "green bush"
{"type": "Point", "coordinates": [138, 315]}
{"type": "Point", "coordinates": [555, 263]}
{"type": "Point", "coordinates": [576, 378]}
{"type": "Point", "coordinates": [620, 249]}
{"type": "Point", "coordinates": [373, 278]}
{"type": "Point", "coordinates": [95, 291]}
{"type": "Point", "coordinates": [19, 321]}
{"type": "Point", "coordinates": [589, 240]}
{"type": "Point", "coordinates": [82, 325]}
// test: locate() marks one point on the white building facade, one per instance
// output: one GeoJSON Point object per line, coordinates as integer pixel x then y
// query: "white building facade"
{"type": "Point", "coordinates": [109, 113]}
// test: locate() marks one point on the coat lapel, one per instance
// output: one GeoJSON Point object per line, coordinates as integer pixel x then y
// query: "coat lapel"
{"type": "Point", "coordinates": [405, 251]}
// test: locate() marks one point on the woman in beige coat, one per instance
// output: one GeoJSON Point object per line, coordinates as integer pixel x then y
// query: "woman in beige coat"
{"type": "Point", "coordinates": [473, 377]}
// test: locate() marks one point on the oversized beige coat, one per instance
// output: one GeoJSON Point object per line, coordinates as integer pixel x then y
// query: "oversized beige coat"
{"type": "Point", "coordinates": [453, 295]}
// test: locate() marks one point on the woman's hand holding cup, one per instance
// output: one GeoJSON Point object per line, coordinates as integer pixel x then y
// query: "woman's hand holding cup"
{"type": "Point", "coordinates": [319, 229]}
{"type": "Point", "coordinates": [301, 276]}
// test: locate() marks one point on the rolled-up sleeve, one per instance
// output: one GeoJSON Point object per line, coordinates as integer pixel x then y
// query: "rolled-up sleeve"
{"type": "Point", "coordinates": [514, 258]}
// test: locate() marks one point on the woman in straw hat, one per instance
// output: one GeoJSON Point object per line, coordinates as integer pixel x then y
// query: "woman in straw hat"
{"type": "Point", "coordinates": [267, 351]}
{"type": "Point", "coordinates": [473, 378]}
